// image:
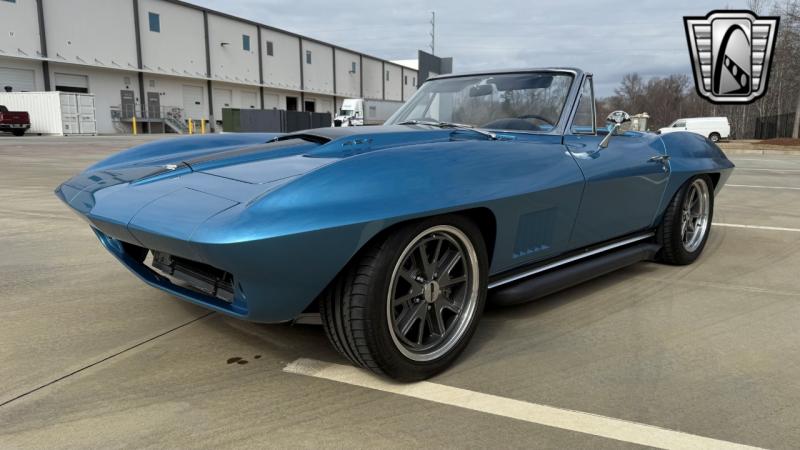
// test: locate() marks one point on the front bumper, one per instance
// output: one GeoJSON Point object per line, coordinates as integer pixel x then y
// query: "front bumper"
{"type": "Point", "coordinates": [268, 280]}
{"type": "Point", "coordinates": [228, 300]}
{"type": "Point", "coordinates": [276, 269]}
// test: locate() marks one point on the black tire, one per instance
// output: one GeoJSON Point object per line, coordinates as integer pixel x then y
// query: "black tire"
{"type": "Point", "coordinates": [18, 133]}
{"type": "Point", "coordinates": [715, 137]}
{"type": "Point", "coordinates": [356, 310]}
{"type": "Point", "coordinates": [673, 247]}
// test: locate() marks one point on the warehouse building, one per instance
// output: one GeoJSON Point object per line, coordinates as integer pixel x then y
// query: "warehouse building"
{"type": "Point", "coordinates": [167, 61]}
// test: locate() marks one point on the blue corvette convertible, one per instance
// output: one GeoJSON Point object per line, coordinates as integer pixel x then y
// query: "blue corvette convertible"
{"type": "Point", "coordinates": [497, 185]}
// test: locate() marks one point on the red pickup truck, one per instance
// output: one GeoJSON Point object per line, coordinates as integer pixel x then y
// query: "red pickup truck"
{"type": "Point", "coordinates": [16, 122]}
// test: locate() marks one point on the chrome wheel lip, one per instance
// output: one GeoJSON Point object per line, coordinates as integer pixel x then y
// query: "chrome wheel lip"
{"type": "Point", "coordinates": [695, 213]}
{"type": "Point", "coordinates": [467, 314]}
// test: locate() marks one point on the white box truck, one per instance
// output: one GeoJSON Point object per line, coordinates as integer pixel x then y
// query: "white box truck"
{"type": "Point", "coordinates": [55, 113]}
{"type": "Point", "coordinates": [360, 111]}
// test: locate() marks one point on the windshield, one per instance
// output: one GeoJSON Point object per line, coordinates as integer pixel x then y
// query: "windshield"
{"type": "Point", "coordinates": [346, 112]}
{"type": "Point", "coordinates": [527, 101]}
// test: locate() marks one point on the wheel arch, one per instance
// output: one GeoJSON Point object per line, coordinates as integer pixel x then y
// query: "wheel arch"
{"type": "Point", "coordinates": [715, 177]}
{"type": "Point", "coordinates": [483, 217]}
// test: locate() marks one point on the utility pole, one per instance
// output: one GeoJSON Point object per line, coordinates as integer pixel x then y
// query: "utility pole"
{"type": "Point", "coordinates": [433, 32]}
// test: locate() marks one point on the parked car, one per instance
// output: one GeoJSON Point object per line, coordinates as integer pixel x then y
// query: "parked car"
{"type": "Point", "coordinates": [493, 184]}
{"type": "Point", "coordinates": [15, 122]}
{"type": "Point", "coordinates": [714, 128]}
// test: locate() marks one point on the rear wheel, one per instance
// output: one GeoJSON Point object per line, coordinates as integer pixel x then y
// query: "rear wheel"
{"type": "Point", "coordinates": [715, 137]}
{"type": "Point", "coordinates": [686, 224]}
{"type": "Point", "coordinates": [18, 132]}
{"type": "Point", "coordinates": [409, 304]}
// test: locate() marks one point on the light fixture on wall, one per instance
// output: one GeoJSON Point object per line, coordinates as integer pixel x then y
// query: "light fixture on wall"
{"type": "Point", "coordinates": [223, 44]}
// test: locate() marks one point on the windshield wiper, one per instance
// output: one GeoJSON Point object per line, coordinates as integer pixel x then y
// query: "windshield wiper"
{"type": "Point", "coordinates": [457, 126]}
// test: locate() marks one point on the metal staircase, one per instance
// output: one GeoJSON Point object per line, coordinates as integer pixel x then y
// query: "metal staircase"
{"type": "Point", "coordinates": [173, 119]}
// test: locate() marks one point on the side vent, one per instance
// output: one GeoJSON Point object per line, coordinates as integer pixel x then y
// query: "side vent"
{"type": "Point", "coordinates": [534, 233]}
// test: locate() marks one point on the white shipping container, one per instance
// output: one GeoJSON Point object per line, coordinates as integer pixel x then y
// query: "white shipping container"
{"type": "Point", "coordinates": [54, 113]}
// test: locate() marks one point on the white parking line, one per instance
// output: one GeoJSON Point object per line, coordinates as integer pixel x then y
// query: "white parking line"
{"type": "Point", "coordinates": [756, 227]}
{"type": "Point", "coordinates": [762, 187]}
{"type": "Point", "coordinates": [581, 422]}
{"type": "Point", "coordinates": [763, 160]}
{"type": "Point", "coordinates": [738, 168]}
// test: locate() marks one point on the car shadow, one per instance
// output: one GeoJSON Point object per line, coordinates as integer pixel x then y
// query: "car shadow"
{"type": "Point", "coordinates": [498, 318]}
{"type": "Point", "coordinates": [284, 343]}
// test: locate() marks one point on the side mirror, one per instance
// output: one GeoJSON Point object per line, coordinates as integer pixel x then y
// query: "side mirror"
{"type": "Point", "coordinates": [618, 117]}
{"type": "Point", "coordinates": [614, 122]}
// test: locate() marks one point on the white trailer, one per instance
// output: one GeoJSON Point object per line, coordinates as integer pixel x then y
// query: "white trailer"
{"type": "Point", "coordinates": [359, 111]}
{"type": "Point", "coordinates": [55, 113]}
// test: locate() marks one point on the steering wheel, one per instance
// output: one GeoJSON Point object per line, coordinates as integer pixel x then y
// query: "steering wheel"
{"type": "Point", "coordinates": [519, 123]}
{"type": "Point", "coordinates": [537, 117]}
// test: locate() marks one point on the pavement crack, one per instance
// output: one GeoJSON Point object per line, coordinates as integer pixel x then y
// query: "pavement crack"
{"type": "Point", "coordinates": [77, 371]}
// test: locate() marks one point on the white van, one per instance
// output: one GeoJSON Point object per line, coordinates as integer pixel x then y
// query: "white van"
{"type": "Point", "coordinates": [714, 128]}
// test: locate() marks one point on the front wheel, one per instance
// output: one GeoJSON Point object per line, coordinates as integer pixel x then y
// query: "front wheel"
{"type": "Point", "coordinates": [409, 304]}
{"type": "Point", "coordinates": [715, 137]}
{"type": "Point", "coordinates": [686, 224]}
{"type": "Point", "coordinates": [18, 133]}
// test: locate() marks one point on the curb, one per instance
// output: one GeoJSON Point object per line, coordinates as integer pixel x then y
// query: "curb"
{"type": "Point", "coordinates": [741, 151]}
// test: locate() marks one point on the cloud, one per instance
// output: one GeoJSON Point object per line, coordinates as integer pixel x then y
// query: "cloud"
{"type": "Point", "coordinates": [607, 39]}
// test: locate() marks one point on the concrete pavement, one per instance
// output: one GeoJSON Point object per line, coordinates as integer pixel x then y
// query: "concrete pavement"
{"type": "Point", "coordinates": [93, 358]}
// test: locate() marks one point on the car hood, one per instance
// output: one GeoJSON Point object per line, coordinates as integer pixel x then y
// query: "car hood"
{"type": "Point", "coordinates": [168, 189]}
{"type": "Point", "coordinates": [274, 158]}
{"type": "Point", "coordinates": [255, 163]}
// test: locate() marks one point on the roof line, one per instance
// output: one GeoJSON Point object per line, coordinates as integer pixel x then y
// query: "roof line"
{"type": "Point", "coordinates": [280, 30]}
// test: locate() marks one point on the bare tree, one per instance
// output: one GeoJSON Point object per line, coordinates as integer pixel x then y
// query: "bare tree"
{"type": "Point", "coordinates": [673, 96]}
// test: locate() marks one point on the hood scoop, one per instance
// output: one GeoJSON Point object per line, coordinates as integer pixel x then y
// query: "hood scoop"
{"type": "Point", "coordinates": [277, 148]}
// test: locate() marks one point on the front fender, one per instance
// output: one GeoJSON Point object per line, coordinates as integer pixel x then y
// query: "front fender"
{"type": "Point", "coordinates": [691, 154]}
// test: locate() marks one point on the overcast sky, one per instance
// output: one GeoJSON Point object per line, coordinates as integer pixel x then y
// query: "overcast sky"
{"type": "Point", "coordinates": [607, 38]}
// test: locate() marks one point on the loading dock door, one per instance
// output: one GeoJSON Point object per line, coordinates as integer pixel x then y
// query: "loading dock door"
{"type": "Point", "coordinates": [127, 104]}
{"type": "Point", "coordinates": [72, 83]}
{"type": "Point", "coordinates": [193, 102]}
{"type": "Point", "coordinates": [20, 80]}
{"type": "Point", "coordinates": [325, 106]}
{"type": "Point", "coordinates": [153, 105]}
{"type": "Point", "coordinates": [223, 98]}
{"type": "Point", "coordinates": [249, 100]}
{"type": "Point", "coordinates": [271, 101]}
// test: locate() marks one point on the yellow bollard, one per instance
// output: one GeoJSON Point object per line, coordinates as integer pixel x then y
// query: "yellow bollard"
{"type": "Point", "coordinates": [191, 126]}
{"type": "Point", "coordinates": [133, 125]}
{"type": "Point", "coordinates": [203, 126]}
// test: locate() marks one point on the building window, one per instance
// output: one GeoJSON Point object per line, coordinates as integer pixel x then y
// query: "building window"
{"type": "Point", "coordinates": [246, 42]}
{"type": "Point", "coordinates": [155, 22]}
{"type": "Point", "coordinates": [387, 75]}
{"type": "Point", "coordinates": [308, 56]}
{"type": "Point", "coordinates": [10, 1]}
{"type": "Point", "coordinates": [405, 80]}
{"type": "Point", "coordinates": [353, 67]}
{"type": "Point", "coordinates": [414, 81]}
{"type": "Point", "coordinates": [269, 49]}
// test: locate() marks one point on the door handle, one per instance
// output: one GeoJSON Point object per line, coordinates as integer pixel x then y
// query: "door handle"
{"type": "Point", "coordinates": [659, 158]}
